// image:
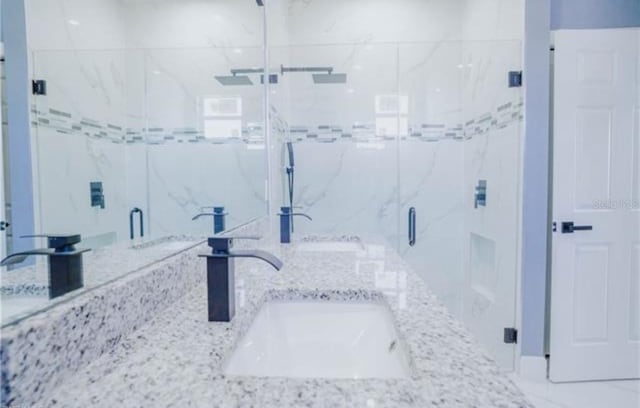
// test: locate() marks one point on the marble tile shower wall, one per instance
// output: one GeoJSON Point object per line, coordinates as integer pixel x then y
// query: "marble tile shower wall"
{"type": "Point", "coordinates": [106, 24]}
{"type": "Point", "coordinates": [253, 137]}
{"type": "Point", "coordinates": [98, 123]}
{"type": "Point", "coordinates": [77, 133]}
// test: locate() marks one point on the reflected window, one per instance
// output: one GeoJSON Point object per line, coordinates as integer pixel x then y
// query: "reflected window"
{"type": "Point", "coordinates": [392, 115]}
{"type": "Point", "coordinates": [222, 117]}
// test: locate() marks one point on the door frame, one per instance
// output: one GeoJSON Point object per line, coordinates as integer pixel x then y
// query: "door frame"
{"type": "Point", "coordinates": [3, 212]}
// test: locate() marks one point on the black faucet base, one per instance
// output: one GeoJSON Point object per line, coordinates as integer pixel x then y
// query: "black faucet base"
{"type": "Point", "coordinates": [65, 274]}
{"type": "Point", "coordinates": [221, 289]}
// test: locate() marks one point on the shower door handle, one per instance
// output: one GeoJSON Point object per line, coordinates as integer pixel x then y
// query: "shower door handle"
{"type": "Point", "coordinates": [412, 226]}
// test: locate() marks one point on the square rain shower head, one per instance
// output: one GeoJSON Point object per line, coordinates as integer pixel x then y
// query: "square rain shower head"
{"type": "Point", "coordinates": [329, 78]}
{"type": "Point", "coordinates": [234, 80]}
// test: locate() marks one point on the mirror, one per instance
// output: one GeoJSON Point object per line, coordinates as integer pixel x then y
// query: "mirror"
{"type": "Point", "coordinates": [146, 137]}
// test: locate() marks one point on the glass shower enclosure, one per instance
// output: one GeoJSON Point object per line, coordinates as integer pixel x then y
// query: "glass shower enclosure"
{"type": "Point", "coordinates": [419, 144]}
{"type": "Point", "coordinates": [413, 140]}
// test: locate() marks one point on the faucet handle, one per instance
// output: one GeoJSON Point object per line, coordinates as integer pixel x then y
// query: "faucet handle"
{"type": "Point", "coordinates": [58, 241]}
{"type": "Point", "coordinates": [214, 209]}
{"type": "Point", "coordinates": [224, 244]}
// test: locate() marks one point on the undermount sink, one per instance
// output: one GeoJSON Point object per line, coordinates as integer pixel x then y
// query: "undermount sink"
{"type": "Point", "coordinates": [320, 339]}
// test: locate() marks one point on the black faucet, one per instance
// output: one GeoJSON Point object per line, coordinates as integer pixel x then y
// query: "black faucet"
{"type": "Point", "coordinates": [65, 262]}
{"type": "Point", "coordinates": [136, 210]}
{"type": "Point", "coordinates": [218, 215]}
{"type": "Point", "coordinates": [221, 275]}
{"type": "Point", "coordinates": [286, 223]}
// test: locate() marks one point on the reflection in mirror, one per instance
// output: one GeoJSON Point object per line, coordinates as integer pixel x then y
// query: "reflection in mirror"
{"type": "Point", "coordinates": [136, 145]}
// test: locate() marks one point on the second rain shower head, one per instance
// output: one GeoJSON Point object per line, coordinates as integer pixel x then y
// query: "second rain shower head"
{"type": "Point", "coordinates": [234, 80]}
{"type": "Point", "coordinates": [320, 75]}
{"type": "Point", "coordinates": [330, 78]}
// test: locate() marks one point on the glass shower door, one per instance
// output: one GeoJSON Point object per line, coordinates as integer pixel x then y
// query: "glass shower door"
{"type": "Point", "coordinates": [345, 153]}
{"type": "Point", "coordinates": [415, 129]}
{"type": "Point", "coordinates": [204, 138]}
{"type": "Point", "coordinates": [459, 171]}
{"type": "Point", "coordinates": [431, 166]}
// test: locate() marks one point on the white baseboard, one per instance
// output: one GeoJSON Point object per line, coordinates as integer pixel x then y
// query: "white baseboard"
{"type": "Point", "coordinates": [533, 368]}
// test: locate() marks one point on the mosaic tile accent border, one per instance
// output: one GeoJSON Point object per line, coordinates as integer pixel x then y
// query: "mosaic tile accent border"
{"type": "Point", "coordinates": [252, 134]}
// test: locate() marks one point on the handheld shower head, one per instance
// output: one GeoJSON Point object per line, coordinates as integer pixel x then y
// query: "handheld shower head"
{"type": "Point", "coordinates": [291, 155]}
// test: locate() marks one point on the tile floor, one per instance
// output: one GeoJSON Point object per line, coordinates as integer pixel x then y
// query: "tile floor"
{"type": "Point", "coordinates": [598, 394]}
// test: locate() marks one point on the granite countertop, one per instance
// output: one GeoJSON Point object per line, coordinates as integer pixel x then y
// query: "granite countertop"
{"type": "Point", "coordinates": [177, 358]}
{"type": "Point", "coordinates": [25, 290]}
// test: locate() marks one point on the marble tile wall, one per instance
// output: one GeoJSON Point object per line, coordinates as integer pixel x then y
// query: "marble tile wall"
{"type": "Point", "coordinates": [78, 133]}
{"type": "Point", "coordinates": [76, 24]}
{"type": "Point", "coordinates": [103, 105]}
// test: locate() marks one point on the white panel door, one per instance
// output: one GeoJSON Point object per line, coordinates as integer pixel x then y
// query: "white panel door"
{"type": "Point", "coordinates": [595, 272]}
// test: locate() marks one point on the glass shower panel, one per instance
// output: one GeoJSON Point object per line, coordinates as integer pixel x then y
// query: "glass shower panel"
{"type": "Point", "coordinates": [79, 133]}
{"type": "Point", "coordinates": [458, 168]}
{"type": "Point", "coordinates": [492, 146]}
{"type": "Point", "coordinates": [204, 137]}
{"type": "Point", "coordinates": [344, 133]}
{"type": "Point", "coordinates": [431, 166]}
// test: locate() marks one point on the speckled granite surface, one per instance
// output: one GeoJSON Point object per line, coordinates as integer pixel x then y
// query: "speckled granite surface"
{"type": "Point", "coordinates": [177, 359]}
{"type": "Point", "coordinates": [100, 264]}
{"type": "Point", "coordinates": [37, 354]}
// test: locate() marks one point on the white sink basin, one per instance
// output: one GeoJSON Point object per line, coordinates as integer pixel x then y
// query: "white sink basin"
{"type": "Point", "coordinates": [330, 246]}
{"type": "Point", "coordinates": [316, 339]}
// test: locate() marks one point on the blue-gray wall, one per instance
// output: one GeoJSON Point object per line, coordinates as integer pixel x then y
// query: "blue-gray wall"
{"type": "Point", "coordinates": [20, 178]}
{"type": "Point", "coordinates": [535, 185]}
{"type": "Point", "coordinates": [583, 14]}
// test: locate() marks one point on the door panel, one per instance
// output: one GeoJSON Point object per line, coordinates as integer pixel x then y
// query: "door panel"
{"type": "Point", "coordinates": [595, 177]}
{"type": "Point", "coordinates": [590, 292]}
{"type": "Point", "coordinates": [593, 155]}
{"type": "Point", "coordinates": [634, 295]}
{"type": "Point", "coordinates": [635, 152]}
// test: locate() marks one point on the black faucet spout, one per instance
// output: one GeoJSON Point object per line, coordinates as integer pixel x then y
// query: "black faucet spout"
{"type": "Point", "coordinates": [221, 275]}
{"type": "Point", "coordinates": [255, 253]}
{"type": "Point", "coordinates": [20, 257]}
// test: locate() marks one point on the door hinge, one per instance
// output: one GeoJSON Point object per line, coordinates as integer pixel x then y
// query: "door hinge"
{"type": "Point", "coordinates": [515, 79]}
{"type": "Point", "coordinates": [39, 87]}
{"type": "Point", "coordinates": [510, 335]}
